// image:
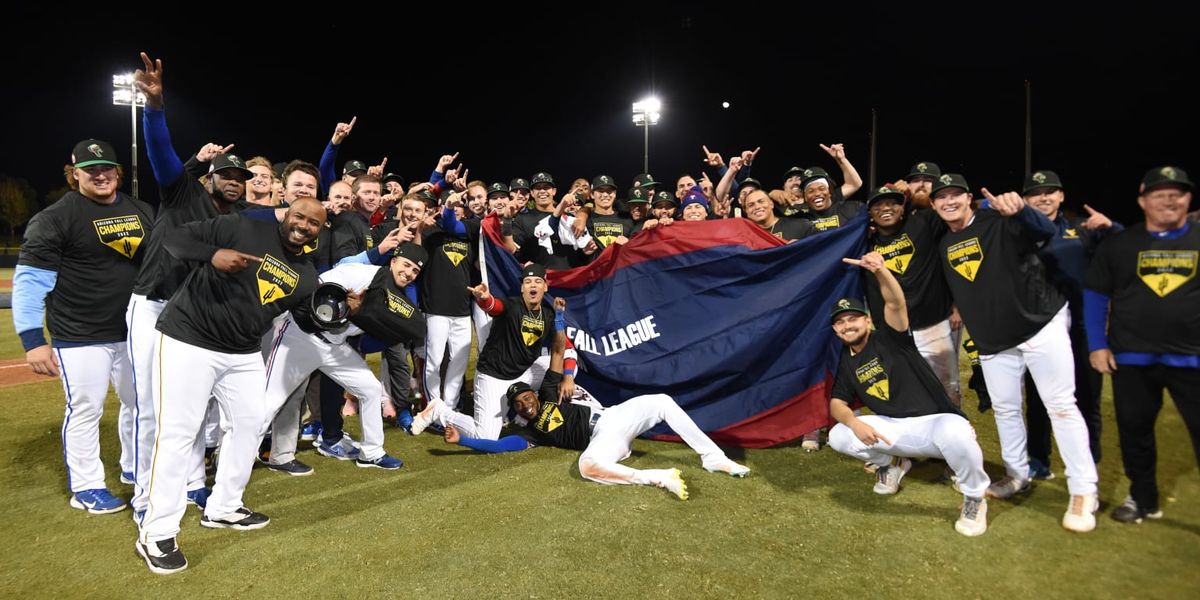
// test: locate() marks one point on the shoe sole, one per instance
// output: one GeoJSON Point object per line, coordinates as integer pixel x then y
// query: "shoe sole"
{"type": "Point", "coordinates": [127, 481]}
{"type": "Point", "coordinates": [292, 473]}
{"type": "Point", "coordinates": [324, 452]}
{"type": "Point", "coordinates": [371, 465]}
{"type": "Point", "coordinates": [211, 524]}
{"type": "Point", "coordinates": [161, 571]}
{"type": "Point", "coordinates": [96, 511]}
{"type": "Point", "coordinates": [1024, 490]}
{"type": "Point", "coordinates": [738, 474]}
{"type": "Point", "coordinates": [969, 532]}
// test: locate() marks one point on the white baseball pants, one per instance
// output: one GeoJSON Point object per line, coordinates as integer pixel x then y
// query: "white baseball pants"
{"type": "Point", "coordinates": [441, 330]}
{"type": "Point", "coordinates": [86, 372]}
{"type": "Point", "coordinates": [938, 345]}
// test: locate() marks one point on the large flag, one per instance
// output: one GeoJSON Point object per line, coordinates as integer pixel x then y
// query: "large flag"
{"type": "Point", "coordinates": [724, 317]}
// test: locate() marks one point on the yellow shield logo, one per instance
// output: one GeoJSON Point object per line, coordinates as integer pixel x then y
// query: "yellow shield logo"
{"type": "Point", "coordinates": [275, 280]}
{"type": "Point", "coordinates": [965, 258]}
{"type": "Point", "coordinates": [875, 379]}
{"type": "Point", "coordinates": [531, 329]}
{"type": "Point", "coordinates": [550, 418]}
{"type": "Point", "coordinates": [1163, 271]}
{"type": "Point", "coordinates": [455, 251]}
{"type": "Point", "coordinates": [897, 254]}
{"type": "Point", "coordinates": [123, 234]}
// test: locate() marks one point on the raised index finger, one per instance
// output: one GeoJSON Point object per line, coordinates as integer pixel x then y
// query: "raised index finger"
{"type": "Point", "coordinates": [250, 257]}
{"type": "Point", "coordinates": [988, 194]}
{"type": "Point", "coordinates": [353, 120]}
{"type": "Point", "coordinates": [853, 261]}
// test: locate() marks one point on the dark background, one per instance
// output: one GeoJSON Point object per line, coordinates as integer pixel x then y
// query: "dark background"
{"type": "Point", "coordinates": [519, 89]}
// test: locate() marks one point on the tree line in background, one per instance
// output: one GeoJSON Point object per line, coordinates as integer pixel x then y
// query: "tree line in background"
{"type": "Point", "coordinates": [18, 203]}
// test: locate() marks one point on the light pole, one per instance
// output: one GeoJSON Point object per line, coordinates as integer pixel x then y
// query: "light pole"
{"type": "Point", "coordinates": [645, 114]}
{"type": "Point", "coordinates": [125, 93]}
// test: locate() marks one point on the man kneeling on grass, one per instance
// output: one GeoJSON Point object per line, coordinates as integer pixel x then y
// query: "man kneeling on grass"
{"type": "Point", "coordinates": [913, 416]}
{"type": "Point", "coordinates": [569, 417]}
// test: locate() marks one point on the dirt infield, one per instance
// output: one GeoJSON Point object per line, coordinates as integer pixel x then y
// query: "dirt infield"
{"type": "Point", "coordinates": [16, 372]}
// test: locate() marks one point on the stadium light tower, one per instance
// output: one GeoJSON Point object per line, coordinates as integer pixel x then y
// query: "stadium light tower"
{"type": "Point", "coordinates": [645, 114]}
{"type": "Point", "coordinates": [125, 93]}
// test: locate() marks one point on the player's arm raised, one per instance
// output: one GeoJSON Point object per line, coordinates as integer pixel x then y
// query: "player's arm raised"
{"type": "Point", "coordinates": [895, 309]}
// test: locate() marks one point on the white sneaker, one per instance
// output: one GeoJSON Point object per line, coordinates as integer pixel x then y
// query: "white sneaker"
{"type": "Point", "coordinates": [727, 466]}
{"type": "Point", "coordinates": [1081, 513]}
{"type": "Point", "coordinates": [426, 417]}
{"type": "Point", "coordinates": [1008, 487]}
{"type": "Point", "coordinates": [674, 483]}
{"type": "Point", "coordinates": [888, 478]}
{"type": "Point", "coordinates": [972, 521]}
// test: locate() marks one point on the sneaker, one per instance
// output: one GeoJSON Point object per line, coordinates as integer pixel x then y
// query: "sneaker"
{"type": "Point", "coordinates": [127, 478]}
{"type": "Point", "coordinates": [1081, 513]}
{"type": "Point", "coordinates": [292, 467]}
{"type": "Point", "coordinates": [342, 450]}
{"type": "Point", "coordinates": [888, 478]}
{"type": "Point", "coordinates": [1128, 512]}
{"type": "Point", "coordinates": [425, 417]}
{"type": "Point", "coordinates": [812, 441]}
{"type": "Point", "coordinates": [1008, 487]}
{"type": "Point", "coordinates": [310, 431]}
{"type": "Point", "coordinates": [242, 518]}
{"type": "Point", "coordinates": [972, 521]}
{"type": "Point", "coordinates": [98, 501]}
{"type": "Point", "coordinates": [1039, 470]}
{"type": "Point", "coordinates": [199, 497]}
{"type": "Point", "coordinates": [674, 483]}
{"type": "Point", "coordinates": [386, 462]}
{"type": "Point", "coordinates": [727, 466]}
{"type": "Point", "coordinates": [870, 467]}
{"type": "Point", "coordinates": [163, 557]}
{"type": "Point", "coordinates": [404, 420]}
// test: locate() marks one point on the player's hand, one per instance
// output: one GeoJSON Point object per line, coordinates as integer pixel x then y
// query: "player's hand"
{"type": "Point", "coordinates": [341, 131]}
{"type": "Point", "coordinates": [621, 240]}
{"type": "Point", "coordinates": [377, 170]}
{"type": "Point", "coordinates": [354, 301]}
{"type": "Point", "coordinates": [1007, 204]}
{"type": "Point", "coordinates": [451, 435]}
{"type": "Point", "coordinates": [748, 156]}
{"type": "Point", "coordinates": [42, 360]}
{"type": "Point", "coordinates": [579, 226]}
{"type": "Point", "coordinates": [871, 261]}
{"type": "Point", "coordinates": [228, 260]}
{"type": "Point", "coordinates": [480, 291]}
{"type": "Point", "coordinates": [391, 240]}
{"type": "Point", "coordinates": [566, 389]}
{"type": "Point", "coordinates": [836, 151]}
{"type": "Point", "coordinates": [867, 434]}
{"type": "Point", "coordinates": [560, 304]}
{"type": "Point", "coordinates": [956, 321]}
{"type": "Point", "coordinates": [590, 248]}
{"type": "Point", "coordinates": [210, 151]}
{"type": "Point", "coordinates": [445, 161]}
{"type": "Point", "coordinates": [1095, 220]}
{"type": "Point", "coordinates": [149, 81]}
{"type": "Point", "coordinates": [712, 159]}
{"type": "Point", "coordinates": [1103, 361]}
{"type": "Point", "coordinates": [665, 221]}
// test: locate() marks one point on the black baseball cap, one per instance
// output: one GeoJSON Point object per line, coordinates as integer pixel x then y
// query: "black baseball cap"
{"type": "Point", "coordinates": [603, 181]}
{"type": "Point", "coordinates": [542, 178]}
{"type": "Point", "coordinates": [846, 305]}
{"type": "Point", "coordinates": [1160, 176]}
{"type": "Point", "coordinates": [534, 270]}
{"type": "Point", "coordinates": [352, 166]}
{"type": "Point", "coordinates": [814, 173]}
{"type": "Point", "coordinates": [923, 169]}
{"type": "Point", "coordinates": [1041, 179]}
{"type": "Point", "coordinates": [950, 180]}
{"type": "Point", "coordinates": [279, 168]}
{"type": "Point", "coordinates": [885, 192]}
{"type": "Point", "coordinates": [394, 177]}
{"type": "Point", "coordinates": [637, 195]}
{"type": "Point", "coordinates": [793, 171]}
{"type": "Point", "coordinates": [518, 184]}
{"type": "Point", "coordinates": [517, 389]}
{"type": "Point", "coordinates": [412, 252]}
{"type": "Point", "coordinates": [751, 182]}
{"type": "Point", "coordinates": [91, 152]}
{"type": "Point", "coordinates": [222, 162]}
{"type": "Point", "coordinates": [428, 197]}
{"type": "Point", "coordinates": [497, 188]}
{"type": "Point", "coordinates": [665, 196]}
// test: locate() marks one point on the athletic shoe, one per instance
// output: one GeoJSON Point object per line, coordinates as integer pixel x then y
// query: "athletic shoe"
{"type": "Point", "coordinates": [812, 441]}
{"type": "Point", "coordinates": [1081, 513]}
{"type": "Point", "coordinates": [163, 557]}
{"type": "Point", "coordinates": [127, 478]}
{"type": "Point", "coordinates": [727, 466]}
{"type": "Point", "coordinates": [1128, 512]}
{"type": "Point", "coordinates": [310, 431]}
{"type": "Point", "coordinates": [342, 450]}
{"type": "Point", "coordinates": [870, 467]}
{"type": "Point", "coordinates": [98, 501]}
{"type": "Point", "coordinates": [199, 497]}
{"type": "Point", "coordinates": [242, 518]}
{"type": "Point", "coordinates": [1039, 470]}
{"type": "Point", "coordinates": [425, 417]}
{"type": "Point", "coordinates": [404, 420]}
{"type": "Point", "coordinates": [292, 467]}
{"type": "Point", "coordinates": [674, 483]}
{"type": "Point", "coordinates": [972, 521]}
{"type": "Point", "coordinates": [1008, 487]}
{"type": "Point", "coordinates": [888, 478]}
{"type": "Point", "coordinates": [389, 463]}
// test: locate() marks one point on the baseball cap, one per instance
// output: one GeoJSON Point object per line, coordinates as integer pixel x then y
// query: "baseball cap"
{"type": "Point", "coordinates": [645, 180]}
{"type": "Point", "coordinates": [412, 252]}
{"type": "Point", "coordinates": [637, 195]}
{"type": "Point", "coordinates": [664, 196]}
{"type": "Point", "coordinates": [534, 270]}
{"type": "Point", "coordinates": [924, 169]}
{"type": "Point", "coordinates": [603, 181]}
{"type": "Point", "coordinates": [394, 177]}
{"type": "Point", "coordinates": [518, 184]}
{"type": "Point", "coordinates": [517, 389]}
{"type": "Point", "coordinates": [793, 171]}
{"type": "Point", "coordinates": [279, 168]}
{"type": "Point", "coordinates": [93, 152]}
{"type": "Point", "coordinates": [814, 173]}
{"type": "Point", "coordinates": [221, 162]}
{"type": "Point", "coordinates": [751, 182]}
{"type": "Point", "coordinates": [885, 192]}
{"type": "Point", "coordinates": [1041, 179]}
{"type": "Point", "coordinates": [1166, 176]}
{"type": "Point", "coordinates": [497, 188]}
{"type": "Point", "coordinates": [428, 197]}
{"type": "Point", "coordinates": [352, 166]}
{"type": "Point", "coordinates": [846, 305]}
{"type": "Point", "coordinates": [950, 180]}
{"type": "Point", "coordinates": [541, 178]}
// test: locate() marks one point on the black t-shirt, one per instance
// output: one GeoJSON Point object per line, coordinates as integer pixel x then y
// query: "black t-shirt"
{"type": "Point", "coordinates": [387, 314]}
{"type": "Point", "coordinates": [562, 256]}
{"type": "Point", "coordinates": [446, 276]}
{"type": "Point", "coordinates": [516, 339]}
{"type": "Point", "coordinates": [835, 216]}
{"type": "Point", "coordinates": [891, 378]}
{"type": "Point", "coordinates": [997, 281]}
{"type": "Point", "coordinates": [911, 255]}
{"type": "Point", "coordinates": [351, 233]}
{"type": "Point", "coordinates": [563, 426]}
{"type": "Point", "coordinates": [1154, 290]}
{"type": "Point", "coordinates": [605, 229]}
{"type": "Point", "coordinates": [227, 312]}
{"type": "Point", "coordinates": [788, 229]}
{"type": "Point", "coordinates": [96, 249]}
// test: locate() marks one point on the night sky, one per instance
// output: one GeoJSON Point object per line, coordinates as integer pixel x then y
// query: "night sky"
{"type": "Point", "coordinates": [519, 90]}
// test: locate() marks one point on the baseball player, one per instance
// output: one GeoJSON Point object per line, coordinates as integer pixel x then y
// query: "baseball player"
{"type": "Point", "coordinates": [1140, 300]}
{"type": "Point", "coordinates": [211, 332]}
{"type": "Point", "coordinates": [569, 417]}
{"type": "Point", "coordinates": [1019, 322]}
{"type": "Point", "coordinates": [760, 211]}
{"type": "Point", "coordinates": [77, 266]}
{"type": "Point", "coordinates": [914, 417]}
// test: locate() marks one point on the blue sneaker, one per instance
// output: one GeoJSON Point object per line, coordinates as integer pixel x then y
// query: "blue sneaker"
{"type": "Point", "coordinates": [98, 501]}
{"type": "Point", "coordinates": [341, 450]}
{"type": "Point", "coordinates": [199, 497]}
{"type": "Point", "coordinates": [389, 463]}
{"type": "Point", "coordinates": [1039, 470]}
{"type": "Point", "coordinates": [404, 419]}
{"type": "Point", "coordinates": [310, 431]}
{"type": "Point", "coordinates": [127, 478]}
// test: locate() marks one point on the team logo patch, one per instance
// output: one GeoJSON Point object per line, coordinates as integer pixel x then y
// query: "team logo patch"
{"type": "Point", "coordinates": [399, 304]}
{"type": "Point", "coordinates": [456, 251]}
{"type": "Point", "coordinates": [874, 379]}
{"type": "Point", "coordinates": [1163, 271]}
{"type": "Point", "coordinates": [275, 280]}
{"type": "Point", "coordinates": [123, 234]}
{"type": "Point", "coordinates": [965, 258]}
{"type": "Point", "coordinates": [1039, 177]}
{"type": "Point", "coordinates": [549, 418]}
{"type": "Point", "coordinates": [1070, 234]}
{"type": "Point", "coordinates": [922, 167]}
{"type": "Point", "coordinates": [531, 329]}
{"type": "Point", "coordinates": [897, 254]}
{"type": "Point", "coordinates": [827, 223]}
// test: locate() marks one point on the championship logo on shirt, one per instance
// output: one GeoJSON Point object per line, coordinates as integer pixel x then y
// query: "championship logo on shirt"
{"type": "Point", "coordinates": [399, 305]}
{"type": "Point", "coordinates": [827, 223]}
{"type": "Point", "coordinates": [965, 258]}
{"type": "Point", "coordinates": [455, 250]}
{"type": "Point", "coordinates": [549, 418]}
{"type": "Point", "coordinates": [531, 329]}
{"type": "Point", "coordinates": [1165, 270]}
{"type": "Point", "coordinates": [607, 232]}
{"type": "Point", "coordinates": [1070, 234]}
{"type": "Point", "coordinates": [872, 376]}
{"type": "Point", "coordinates": [275, 280]}
{"type": "Point", "coordinates": [897, 254]}
{"type": "Point", "coordinates": [123, 234]}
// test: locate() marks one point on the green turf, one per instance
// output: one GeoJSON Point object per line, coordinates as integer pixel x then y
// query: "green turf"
{"type": "Point", "coordinates": [453, 524]}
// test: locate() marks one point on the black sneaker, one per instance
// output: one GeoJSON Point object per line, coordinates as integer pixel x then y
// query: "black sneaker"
{"type": "Point", "coordinates": [163, 557]}
{"type": "Point", "coordinates": [242, 518]}
{"type": "Point", "coordinates": [292, 467]}
{"type": "Point", "coordinates": [1128, 512]}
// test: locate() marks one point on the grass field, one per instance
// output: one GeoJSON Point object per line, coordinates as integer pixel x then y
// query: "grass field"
{"type": "Point", "coordinates": [453, 524]}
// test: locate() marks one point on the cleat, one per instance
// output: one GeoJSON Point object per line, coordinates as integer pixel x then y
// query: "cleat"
{"type": "Point", "coordinates": [163, 557]}
{"type": "Point", "coordinates": [674, 483]}
{"type": "Point", "coordinates": [888, 478]}
{"type": "Point", "coordinates": [98, 501]}
{"type": "Point", "coordinates": [389, 463]}
{"type": "Point", "coordinates": [425, 417]}
{"type": "Point", "coordinates": [1128, 512]}
{"type": "Point", "coordinates": [972, 521]}
{"type": "Point", "coordinates": [727, 466]}
{"type": "Point", "coordinates": [1081, 513]}
{"type": "Point", "coordinates": [199, 497]}
{"type": "Point", "coordinates": [293, 467]}
{"type": "Point", "coordinates": [1008, 487]}
{"type": "Point", "coordinates": [242, 518]}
